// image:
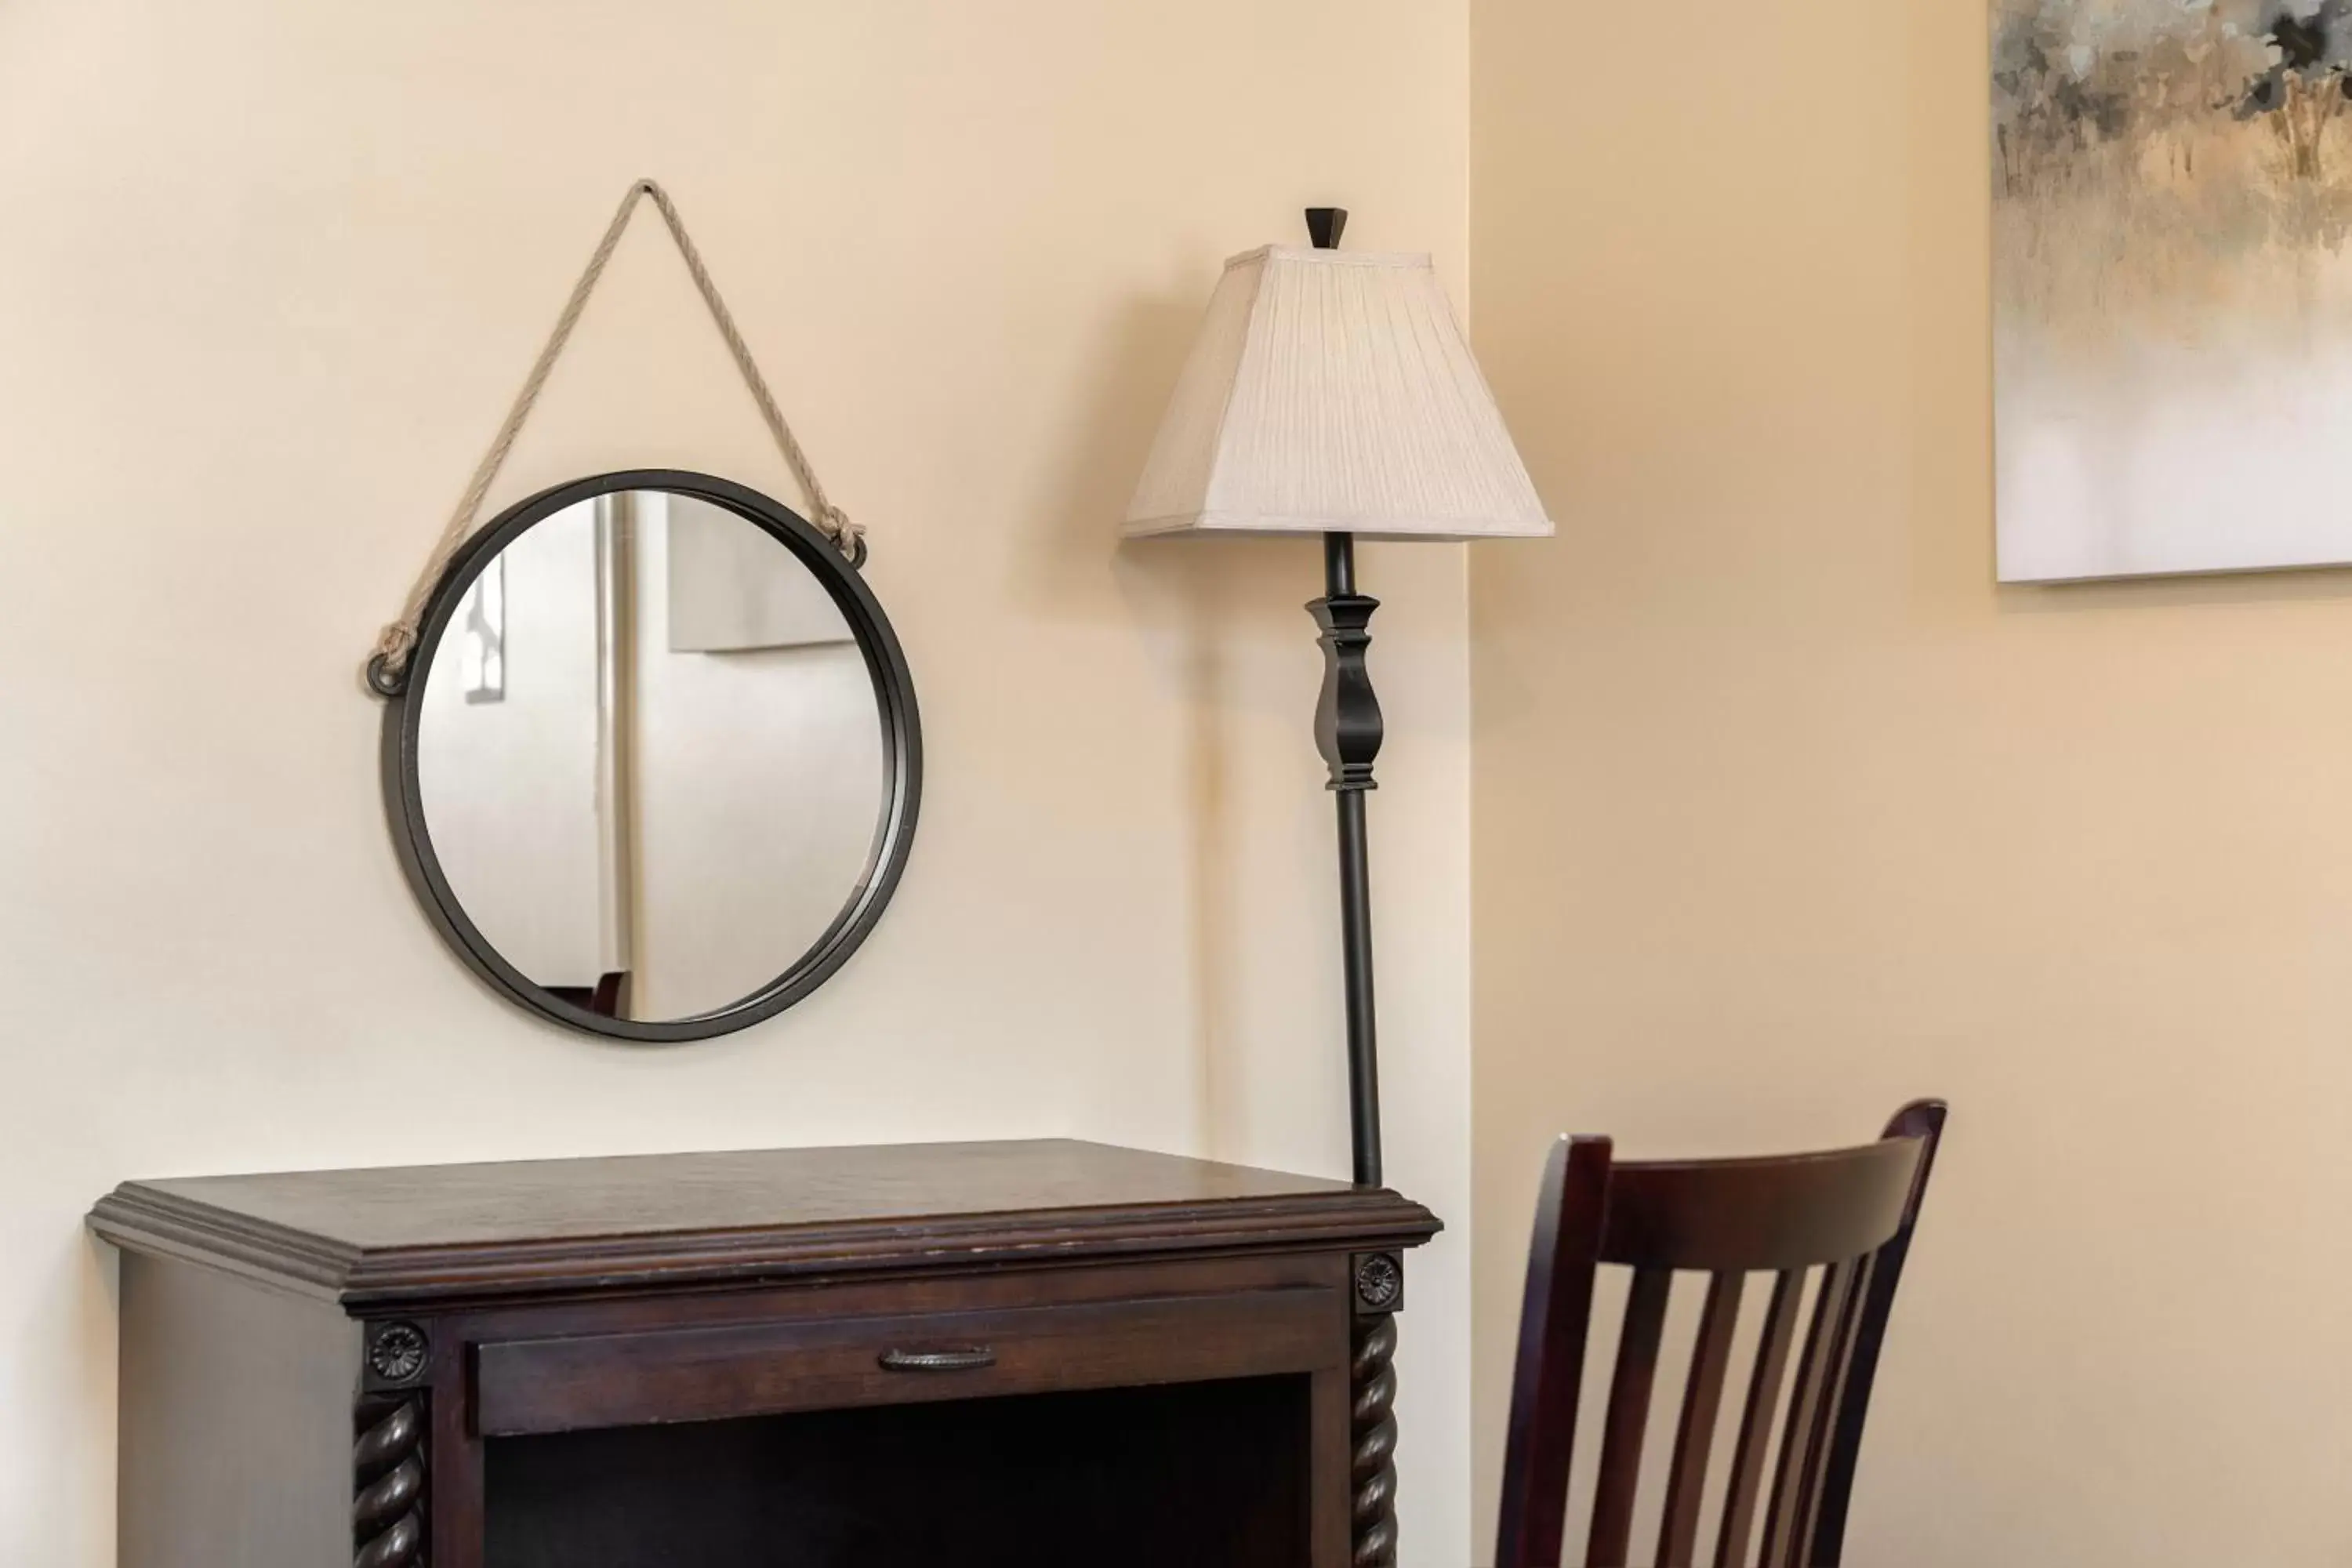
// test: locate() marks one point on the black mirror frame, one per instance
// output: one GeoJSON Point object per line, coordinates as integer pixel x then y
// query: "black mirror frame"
{"type": "Point", "coordinates": [902, 755]}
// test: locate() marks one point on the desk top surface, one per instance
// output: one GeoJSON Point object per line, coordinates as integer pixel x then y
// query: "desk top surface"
{"type": "Point", "coordinates": [403, 1234]}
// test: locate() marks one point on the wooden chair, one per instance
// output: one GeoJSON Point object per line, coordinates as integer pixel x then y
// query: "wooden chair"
{"type": "Point", "coordinates": [1848, 1213]}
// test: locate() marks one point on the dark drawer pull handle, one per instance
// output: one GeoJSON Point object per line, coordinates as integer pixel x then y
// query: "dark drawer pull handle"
{"type": "Point", "coordinates": [960, 1358]}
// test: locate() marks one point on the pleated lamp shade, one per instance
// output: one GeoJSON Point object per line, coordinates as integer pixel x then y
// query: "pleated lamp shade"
{"type": "Point", "coordinates": [1332, 391]}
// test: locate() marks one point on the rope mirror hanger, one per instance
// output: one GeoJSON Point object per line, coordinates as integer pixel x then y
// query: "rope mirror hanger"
{"type": "Point", "coordinates": [387, 666]}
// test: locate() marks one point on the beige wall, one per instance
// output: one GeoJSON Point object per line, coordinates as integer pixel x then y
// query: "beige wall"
{"type": "Point", "coordinates": [1784, 813]}
{"type": "Point", "coordinates": [271, 270]}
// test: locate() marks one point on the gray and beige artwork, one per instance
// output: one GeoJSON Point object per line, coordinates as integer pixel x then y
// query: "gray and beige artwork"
{"type": "Point", "coordinates": [2172, 291]}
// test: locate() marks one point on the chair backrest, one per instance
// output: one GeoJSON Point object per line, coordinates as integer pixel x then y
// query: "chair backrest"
{"type": "Point", "coordinates": [1849, 1213]}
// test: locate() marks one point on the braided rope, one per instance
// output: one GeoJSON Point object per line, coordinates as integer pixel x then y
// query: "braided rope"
{"type": "Point", "coordinates": [397, 641]}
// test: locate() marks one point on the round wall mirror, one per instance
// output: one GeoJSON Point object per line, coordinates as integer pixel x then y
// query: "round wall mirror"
{"type": "Point", "coordinates": [655, 767]}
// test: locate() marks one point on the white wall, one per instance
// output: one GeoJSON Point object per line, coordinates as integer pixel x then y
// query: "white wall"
{"type": "Point", "coordinates": [272, 270]}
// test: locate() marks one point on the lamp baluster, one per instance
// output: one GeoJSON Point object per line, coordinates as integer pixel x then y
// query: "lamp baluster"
{"type": "Point", "coordinates": [1347, 732]}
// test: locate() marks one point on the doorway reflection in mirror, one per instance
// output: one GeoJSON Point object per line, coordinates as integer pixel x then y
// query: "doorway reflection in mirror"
{"type": "Point", "coordinates": [680, 791]}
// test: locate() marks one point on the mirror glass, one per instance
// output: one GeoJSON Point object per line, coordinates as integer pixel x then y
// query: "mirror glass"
{"type": "Point", "coordinates": [650, 757]}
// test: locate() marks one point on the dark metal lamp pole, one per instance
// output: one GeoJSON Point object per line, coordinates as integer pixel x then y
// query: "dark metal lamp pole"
{"type": "Point", "coordinates": [1347, 733]}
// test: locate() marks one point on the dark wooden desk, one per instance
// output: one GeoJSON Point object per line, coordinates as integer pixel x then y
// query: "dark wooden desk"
{"type": "Point", "coordinates": [986, 1353]}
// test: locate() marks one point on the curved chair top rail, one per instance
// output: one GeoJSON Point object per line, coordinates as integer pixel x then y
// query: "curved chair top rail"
{"type": "Point", "coordinates": [1788, 1212]}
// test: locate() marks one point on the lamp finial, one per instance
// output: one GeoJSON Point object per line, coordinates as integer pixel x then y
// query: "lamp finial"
{"type": "Point", "coordinates": [1326, 225]}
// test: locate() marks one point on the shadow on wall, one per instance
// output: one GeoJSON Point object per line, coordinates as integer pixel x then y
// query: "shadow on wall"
{"type": "Point", "coordinates": [1202, 610]}
{"type": "Point", "coordinates": [1073, 564]}
{"type": "Point", "coordinates": [1063, 561]}
{"type": "Point", "coordinates": [2256, 587]}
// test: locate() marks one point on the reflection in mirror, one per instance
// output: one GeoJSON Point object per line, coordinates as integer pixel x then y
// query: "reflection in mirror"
{"type": "Point", "coordinates": [650, 757]}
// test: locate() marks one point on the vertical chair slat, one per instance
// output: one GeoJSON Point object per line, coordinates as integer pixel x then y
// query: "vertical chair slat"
{"type": "Point", "coordinates": [1554, 1319]}
{"type": "Point", "coordinates": [1629, 1417]}
{"type": "Point", "coordinates": [1782, 1511]}
{"type": "Point", "coordinates": [1756, 1418]}
{"type": "Point", "coordinates": [1817, 1446]}
{"type": "Point", "coordinates": [1695, 1437]}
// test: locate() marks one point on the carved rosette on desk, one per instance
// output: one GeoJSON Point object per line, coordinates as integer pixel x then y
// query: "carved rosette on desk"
{"type": "Point", "coordinates": [1380, 1292]}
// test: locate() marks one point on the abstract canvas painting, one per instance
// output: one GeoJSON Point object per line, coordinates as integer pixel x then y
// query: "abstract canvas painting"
{"type": "Point", "coordinates": [2172, 285]}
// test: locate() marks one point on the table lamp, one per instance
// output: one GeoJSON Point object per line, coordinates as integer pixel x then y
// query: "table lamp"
{"type": "Point", "coordinates": [1331, 391]}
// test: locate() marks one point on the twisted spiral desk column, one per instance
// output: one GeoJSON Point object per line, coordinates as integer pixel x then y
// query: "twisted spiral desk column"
{"type": "Point", "coordinates": [1373, 1468]}
{"type": "Point", "coordinates": [388, 1470]}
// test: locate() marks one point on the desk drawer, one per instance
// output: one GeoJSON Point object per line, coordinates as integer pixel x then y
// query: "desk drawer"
{"type": "Point", "coordinates": [755, 1369]}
